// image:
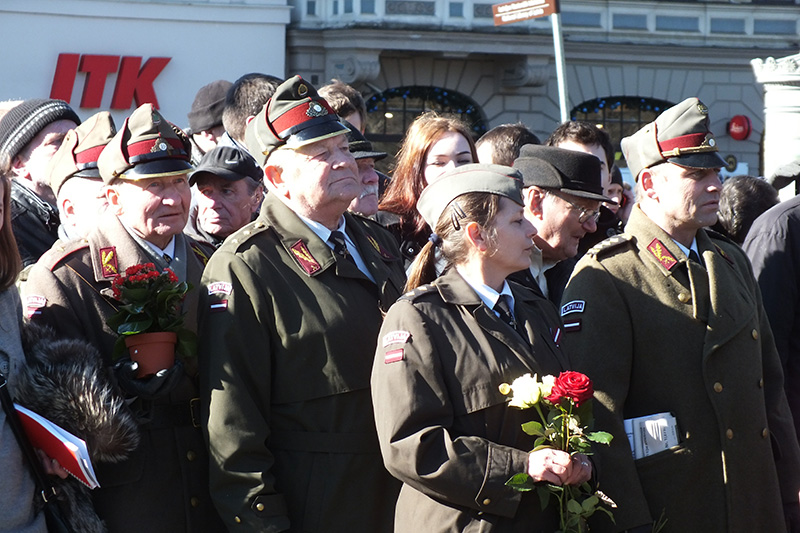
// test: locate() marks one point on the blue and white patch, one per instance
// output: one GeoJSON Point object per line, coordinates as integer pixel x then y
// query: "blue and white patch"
{"type": "Point", "coordinates": [575, 306]}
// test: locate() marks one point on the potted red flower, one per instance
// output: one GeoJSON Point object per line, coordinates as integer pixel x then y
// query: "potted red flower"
{"type": "Point", "coordinates": [149, 321]}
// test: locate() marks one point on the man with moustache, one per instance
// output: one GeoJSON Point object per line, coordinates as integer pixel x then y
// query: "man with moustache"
{"type": "Point", "coordinates": [667, 321]}
{"type": "Point", "coordinates": [562, 193]}
{"type": "Point", "coordinates": [291, 309]}
{"type": "Point", "coordinates": [163, 485]}
{"type": "Point", "coordinates": [366, 203]}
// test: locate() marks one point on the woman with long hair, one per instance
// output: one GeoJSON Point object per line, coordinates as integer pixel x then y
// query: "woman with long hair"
{"type": "Point", "coordinates": [445, 430]}
{"type": "Point", "coordinates": [433, 145]}
{"type": "Point", "coordinates": [17, 512]}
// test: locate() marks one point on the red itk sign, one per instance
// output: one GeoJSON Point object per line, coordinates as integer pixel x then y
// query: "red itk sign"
{"type": "Point", "coordinates": [523, 10]}
{"type": "Point", "coordinates": [134, 80]}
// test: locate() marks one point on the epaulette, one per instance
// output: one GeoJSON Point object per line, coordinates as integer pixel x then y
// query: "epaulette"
{"type": "Point", "coordinates": [416, 293]}
{"type": "Point", "coordinates": [609, 244]}
{"type": "Point", "coordinates": [60, 251]}
{"type": "Point", "coordinates": [245, 233]}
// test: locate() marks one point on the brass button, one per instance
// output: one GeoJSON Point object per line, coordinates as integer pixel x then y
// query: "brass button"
{"type": "Point", "coordinates": [190, 455]}
{"type": "Point", "coordinates": [717, 387]}
{"type": "Point", "coordinates": [755, 334]}
{"type": "Point", "coordinates": [765, 433]}
{"type": "Point", "coordinates": [487, 501]}
{"type": "Point", "coordinates": [729, 434]}
{"type": "Point", "coordinates": [259, 506]}
{"type": "Point", "coordinates": [237, 519]}
{"type": "Point", "coordinates": [195, 501]}
{"type": "Point", "coordinates": [761, 383]}
{"type": "Point", "coordinates": [683, 297]}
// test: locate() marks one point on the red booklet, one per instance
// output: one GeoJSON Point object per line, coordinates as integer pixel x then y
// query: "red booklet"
{"type": "Point", "coordinates": [69, 450]}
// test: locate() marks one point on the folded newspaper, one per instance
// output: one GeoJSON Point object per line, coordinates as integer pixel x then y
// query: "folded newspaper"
{"type": "Point", "coordinates": [651, 434]}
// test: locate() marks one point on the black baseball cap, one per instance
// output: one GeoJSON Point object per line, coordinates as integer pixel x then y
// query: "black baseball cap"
{"type": "Point", "coordinates": [228, 163]}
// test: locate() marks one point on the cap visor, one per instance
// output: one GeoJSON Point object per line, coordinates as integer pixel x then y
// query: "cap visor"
{"type": "Point", "coordinates": [377, 156]}
{"type": "Point", "coordinates": [316, 133]}
{"type": "Point", "coordinates": [701, 160]}
{"type": "Point", "coordinates": [223, 173]}
{"type": "Point", "coordinates": [589, 195]}
{"type": "Point", "coordinates": [156, 169]}
{"type": "Point", "coordinates": [88, 173]}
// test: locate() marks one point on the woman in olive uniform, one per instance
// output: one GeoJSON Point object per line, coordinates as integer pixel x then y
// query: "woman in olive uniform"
{"type": "Point", "coordinates": [445, 429]}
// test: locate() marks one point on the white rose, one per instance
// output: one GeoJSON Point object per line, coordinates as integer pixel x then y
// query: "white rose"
{"type": "Point", "coordinates": [527, 392]}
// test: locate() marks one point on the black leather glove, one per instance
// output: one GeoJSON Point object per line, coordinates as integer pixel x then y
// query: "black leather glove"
{"type": "Point", "coordinates": [151, 387]}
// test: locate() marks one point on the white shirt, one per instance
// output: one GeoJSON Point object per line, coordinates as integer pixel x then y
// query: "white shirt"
{"type": "Point", "coordinates": [538, 268]}
{"type": "Point", "coordinates": [488, 295]}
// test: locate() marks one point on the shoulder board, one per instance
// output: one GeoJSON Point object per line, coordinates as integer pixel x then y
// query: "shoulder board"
{"type": "Point", "coordinates": [416, 293]}
{"type": "Point", "coordinates": [714, 234]}
{"type": "Point", "coordinates": [245, 232]}
{"type": "Point", "coordinates": [61, 251]}
{"type": "Point", "coordinates": [609, 244]}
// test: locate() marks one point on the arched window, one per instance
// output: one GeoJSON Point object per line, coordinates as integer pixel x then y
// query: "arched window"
{"type": "Point", "coordinates": [391, 112]}
{"type": "Point", "coordinates": [620, 116]}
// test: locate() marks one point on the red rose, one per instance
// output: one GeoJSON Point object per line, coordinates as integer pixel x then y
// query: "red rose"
{"type": "Point", "coordinates": [572, 385]}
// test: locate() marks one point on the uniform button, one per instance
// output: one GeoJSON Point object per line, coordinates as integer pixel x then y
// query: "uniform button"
{"type": "Point", "coordinates": [195, 501]}
{"type": "Point", "coordinates": [247, 232]}
{"type": "Point", "coordinates": [237, 519]}
{"type": "Point", "coordinates": [765, 433]}
{"type": "Point", "coordinates": [729, 434]}
{"type": "Point", "coordinates": [683, 297]}
{"type": "Point", "coordinates": [190, 455]}
{"type": "Point", "coordinates": [755, 334]}
{"type": "Point", "coordinates": [761, 383]}
{"type": "Point", "coordinates": [259, 507]}
{"type": "Point", "coordinates": [487, 501]}
{"type": "Point", "coordinates": [717, 387]}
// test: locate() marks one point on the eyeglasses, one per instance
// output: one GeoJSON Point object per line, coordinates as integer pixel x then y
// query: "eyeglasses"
{"type": "Point", "coordinates": [585, 214]}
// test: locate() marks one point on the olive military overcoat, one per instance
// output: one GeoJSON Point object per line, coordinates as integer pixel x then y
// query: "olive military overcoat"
{"type": "Point", "coordinates": [163, 485]}
{"type": "Point", "coordinates": [288, 333]}
{"type": "Point", "coordinates": [658, 333]}
{"type": "Point", "coordinates": [445, 429]}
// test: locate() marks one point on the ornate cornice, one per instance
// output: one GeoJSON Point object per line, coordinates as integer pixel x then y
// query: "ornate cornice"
{"type": "Point", "coordinates": [782, 71]}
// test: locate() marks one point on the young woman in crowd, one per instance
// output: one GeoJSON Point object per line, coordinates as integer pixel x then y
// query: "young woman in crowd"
{"type": "Point", "coordinates": [432, 145]}
{"type": "Point", "coordinates": [17, 511]}
{"type": "Point", "coordinates": [444, 428]}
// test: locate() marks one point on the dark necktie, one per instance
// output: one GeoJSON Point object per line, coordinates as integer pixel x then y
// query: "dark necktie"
{"type": "Point", "coordinates": [167, 259]}
{"type": "Point", "coordinates": [337, 239]}
{"type": "Point", "coordinates": [694, 257]}
{"type": "Point", "coordinates": [504, 311]}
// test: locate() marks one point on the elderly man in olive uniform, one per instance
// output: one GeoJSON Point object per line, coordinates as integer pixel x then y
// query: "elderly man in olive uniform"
{"type": "Point", "coordinates": [668, 322]}
{"type": "Point", "coordinates": [163, 485]}
{"type": "Point", "coordinates": [291, 309]}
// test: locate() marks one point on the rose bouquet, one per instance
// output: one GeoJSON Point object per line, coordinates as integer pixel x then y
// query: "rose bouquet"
{"type": "Point", "coordinates": [564, 408]}
{"type": "Point", "coordinates": [150, 303]}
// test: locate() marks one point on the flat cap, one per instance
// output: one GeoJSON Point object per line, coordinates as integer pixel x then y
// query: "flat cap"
{"type": "Point", "coordinates": [77, 156]}
{"type": "Point", "coordinates": [679, 135]}
{"type": "Point", "coordinates": [207, 106]}
{"type": "Point", "coordinates": [360, 147]}
{"type": "Point", "coordinates": [548, 167]}
{"type": "Point", "coordinates": [146, 146]}
{"type": "Point", "coordinates": [295, 116]}
{"type": "Point", "coordinates": [474, 177]}
{"type": "Point", "coordinates": [228, 163]}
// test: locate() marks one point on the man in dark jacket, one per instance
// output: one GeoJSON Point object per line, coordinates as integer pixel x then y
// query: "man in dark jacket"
{"type": "Point", "coordinates": [289, 319]}
{"type": "Point", "coordinates": [30, 134]}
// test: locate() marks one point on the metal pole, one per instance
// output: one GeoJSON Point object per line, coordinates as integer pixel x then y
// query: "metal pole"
{"type": "Point", "coordinates": [558, 45]}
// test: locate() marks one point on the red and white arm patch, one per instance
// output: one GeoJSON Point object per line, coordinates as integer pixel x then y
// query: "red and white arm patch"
{"type": "Point", "coordinates": [34, 304]}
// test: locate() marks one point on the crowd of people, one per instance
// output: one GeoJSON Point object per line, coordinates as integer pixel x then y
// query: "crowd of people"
{"type": "Point", "coordinates": [353, 328]}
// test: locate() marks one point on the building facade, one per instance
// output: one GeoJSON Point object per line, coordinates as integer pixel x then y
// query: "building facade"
{"type": "Point", "coordinates": [625, 61]}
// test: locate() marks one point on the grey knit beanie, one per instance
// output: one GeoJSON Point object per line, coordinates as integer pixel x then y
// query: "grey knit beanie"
{"type": "Point", "coordinates": [23, 122]}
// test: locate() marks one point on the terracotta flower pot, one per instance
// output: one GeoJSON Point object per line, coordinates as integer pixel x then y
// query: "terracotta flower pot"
{"type": "Point", "coordinates": [153, 351]}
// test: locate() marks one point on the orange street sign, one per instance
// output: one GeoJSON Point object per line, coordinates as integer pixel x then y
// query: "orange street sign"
{"type": "Point", "coordinates": [523, 10]}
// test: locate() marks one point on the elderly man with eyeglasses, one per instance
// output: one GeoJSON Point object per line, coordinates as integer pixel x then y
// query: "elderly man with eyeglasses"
{"type": "Point", "coordinates": [563, 191]}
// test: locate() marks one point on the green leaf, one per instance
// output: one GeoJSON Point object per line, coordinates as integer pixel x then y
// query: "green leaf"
{"type": "Point", "coordinates": [600, 437]}
{"type": "Point", "coordinates": [544, 496]}
{"type": "Point", "coordinates": [590, 503]}
{"type": "Point", "coordinates": [521, 482]}
{"type": "Point", "coordinates": [574, 507]}
{"type": "Point", "coordinates": [533, 428]}
{"type": "Point", "coordinates": [134, 327]}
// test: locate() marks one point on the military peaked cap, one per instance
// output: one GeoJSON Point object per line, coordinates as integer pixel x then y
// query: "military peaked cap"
{"type": "Point", "coordinates": [77, 156]}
